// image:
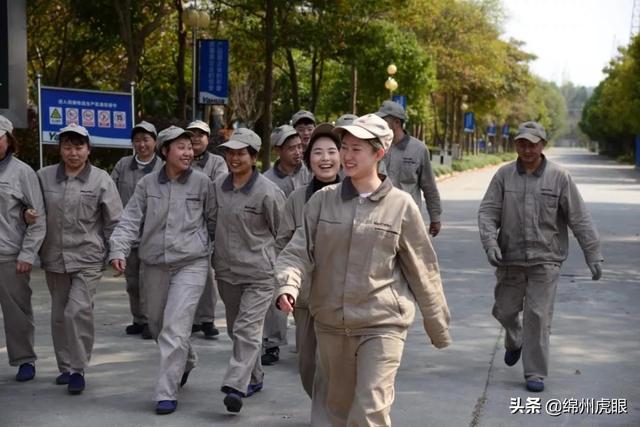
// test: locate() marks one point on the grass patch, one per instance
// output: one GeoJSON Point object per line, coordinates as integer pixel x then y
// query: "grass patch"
{"type": "Point", "coordinates": [481, 160]}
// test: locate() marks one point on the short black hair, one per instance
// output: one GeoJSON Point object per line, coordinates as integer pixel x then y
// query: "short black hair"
{"type": "Point", "coordinates": [305, 121]}
{"type": "Point", "coordinates": [306, 156]}
{"type": "Point", "coordinates": [74, 138]}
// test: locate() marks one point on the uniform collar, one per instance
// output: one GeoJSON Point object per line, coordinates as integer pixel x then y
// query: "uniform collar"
{"type": "Point", "coordinates": [402, 144]}
{"type": "Point", "coordinates": [147, 168]}
{"type": "Point", "coordinates": [282, 175]}
{"type": "Point", "coordinates": [4, 162]}
{"type": "Point", "coordinates": [538, 172]}
{"type": "Point", "coordinates": [202, 159]}
{"type": "Point", "coordinates": [182, 179]}
{"type": "Point", "coordinates": [348, 191]}
{"type": "Point", "coordinates": [316, 185]}
{"type": "Point", "coordinates": [227, 184]}
{"type": "Point", "coordinates": [82, 176]}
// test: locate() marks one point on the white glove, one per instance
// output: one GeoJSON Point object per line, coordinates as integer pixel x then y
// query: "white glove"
{"type": "Point", "coordinates": [495, 256]}
{"type": "Point", "coordinates": [596, 270]}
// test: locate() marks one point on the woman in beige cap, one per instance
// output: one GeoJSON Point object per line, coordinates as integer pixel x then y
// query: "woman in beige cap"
{"type": "Point", "coordinates": [364, 245]}
{"type": "Point", "coordinates": [83, 207]}
{"type": "Point", "coordinates": [247, 219]}
{"type": "Point", "coordinates": [19, 244]}
{"type": "Point", "coordinates": [169, 214]}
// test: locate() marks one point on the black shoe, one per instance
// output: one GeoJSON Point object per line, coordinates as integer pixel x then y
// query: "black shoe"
{"type": "Point", "coordinates": [146, 333]}
{"type": "Point", "coordinates": [76, 383]}
{"type": "Point", "coordinates": [233, 401]}
{"type": "Point", "coordinates": [26, 372]}
{"type": "Point", "coordinates": [270, 356]}
{"type": "Point", "coordinates": [511, 357]}
{"type": "Point", "coordinates": [164, 407]}
{"type": "Point", "coordinates": [134, 329]}
{"type": "Point", "coordinates": [209, 330]}
{"type": "Point", "coordinates": [195, 328]}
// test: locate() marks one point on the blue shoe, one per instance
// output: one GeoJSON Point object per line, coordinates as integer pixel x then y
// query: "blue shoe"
{"type": "Point", "coordinates": [63, 378]}
{"type": "Point", "coordinates": [233, 399]}
{"type": "Point", "coordinates": [165, 407]}
{"type": "Point", "coordinates": [511, 357]}
{"type": "Point", "coordinates": [26, 372]}
{"type": "Point", "coordinates": [535, 386]}
{"type": "Point", "coordinates": [185, 377]}
{"type": "Point", "coordinates": [76, 383]}
{"type": "Point", "coordinates": [254, 388]}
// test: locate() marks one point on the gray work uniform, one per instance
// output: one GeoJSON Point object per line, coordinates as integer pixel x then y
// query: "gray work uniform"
{"type": "Point", "coordinates": [82, 212]}
{"type": "Point", "coordinates": [170, 220]}
{"type": "Point", "coordinates": [370, 260]}
{"type": "Point", "coordinates": [526, 216]}
{"type": "Point", "coordinates": [19, 190]}
{"type": "Point", "coordinates": [214, 167]}
{"type": "Point", "coordinates": [408, 165]}
{"type": "Point", "coordinates": [126, 175]}
{"type": "Point", "coordinates": [275, 324]}
{"type": "Point", "coordinates": [247, 223]}
{"type": "Point", "coordinates": [306, 345]}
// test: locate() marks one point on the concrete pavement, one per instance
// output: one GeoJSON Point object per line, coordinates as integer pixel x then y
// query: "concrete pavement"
{"type": "Point", "coordinates": [595, 344]}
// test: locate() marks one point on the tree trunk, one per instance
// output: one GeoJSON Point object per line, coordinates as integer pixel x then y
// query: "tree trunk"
{"type": "Point", "coordinates": [268, 83]}
{"type": "Point", "coordinates": [181, 86]}
{"type": "Point", "coordinates": [354, 88]}
{"type": "Point", "coordinates": [293, 77]}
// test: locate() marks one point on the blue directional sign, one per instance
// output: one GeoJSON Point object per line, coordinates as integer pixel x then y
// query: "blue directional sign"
{"type": "Point", "coordinates": [213, 71]}
{"type": "Point", "coordinates": [491, 130]}
{"type": "Point", "coordinates": [469, 122]}
{"type": "Point", "coordinates": [108, 116]}
{"type": "Point", "coordinates": [505, 130]}
{"type": "Point", "coordinates": [401, 99]}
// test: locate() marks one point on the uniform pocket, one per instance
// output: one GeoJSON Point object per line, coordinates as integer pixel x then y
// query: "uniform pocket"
{"type": "Point", "coordinates": [88, 211]}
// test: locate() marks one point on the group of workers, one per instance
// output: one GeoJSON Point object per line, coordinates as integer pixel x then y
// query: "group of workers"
{"type": "Point", "coordinates": [337, 232]}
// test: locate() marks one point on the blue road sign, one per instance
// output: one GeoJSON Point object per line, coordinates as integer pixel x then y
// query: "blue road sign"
{"type": "Point", "coordinates": [469, 122]}
{"type": "Point", "coordinates": [401, 99]}
{"type": "Point", "coordinates": [213, 71]}
{"type": "Point", "coordinates": [505, 130]}
{"type": "Point", "coordinates": [108, 116]}
{"type": "Point", "coordinates": [491, 130]}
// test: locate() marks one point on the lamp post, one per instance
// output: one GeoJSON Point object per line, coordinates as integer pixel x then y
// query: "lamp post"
{"type": "Point", "coordinates": [391, 84]}
{"type": "Point", "coordinates": [195, 19]}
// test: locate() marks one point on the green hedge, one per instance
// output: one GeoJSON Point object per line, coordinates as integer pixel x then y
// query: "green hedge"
{"type": "Point", "coordinates": [473, 162]}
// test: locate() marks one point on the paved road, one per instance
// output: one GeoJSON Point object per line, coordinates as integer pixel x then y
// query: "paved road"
{"type": "Point", "coordinates": [595, 349]}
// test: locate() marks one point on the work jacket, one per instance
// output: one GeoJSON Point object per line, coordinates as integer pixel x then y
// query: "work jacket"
{"type": "Point", "coordinates": [526, 216]}
{"type": "Point", "coordinates": [19, 190]}
{"type": "Point", "coordinates": [369, 259]}
{"type": "Point", "coordinates": [127, 173]}
{"type": "Point", "coordinates": [82, 212]}
{"type": "Point", "coordinates": [170, 218]}
{"type": "Point", "coordinates": [287, 183]}
{"type": "Point", "coordinates": [408, 165]}
{"type": "Point", "coordinates": [211, 165]}
{"type": "Point", "coordinates": [246, 226]}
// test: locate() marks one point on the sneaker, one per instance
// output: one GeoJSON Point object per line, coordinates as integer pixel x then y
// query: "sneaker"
{"type": "Point", "coordinates": [26, 372]}
{"type": "Point", "coordinates": [233, 401]}
{"type": "Point", "coordinates": [270, 356]}
{"type": "Point", "coordinates": [195, 328]}
{"type": "Point", "coordinates": [146, 333]}
{"type": "Point", "coordinates": [164, 407]}
{"type": "Point", "coordinates": [209, 330]}
{"type": "Point", "coordinates": [535, 386]}
{"type": "Point", "coordinates": [134, 329]}
{"type": "Point", "coordinates": [253, 389]}
{"type": "Point", "coordinates": [63, 378]}
{"type": "Point", "coordinates": [511, 357]}
{"type": "Point", "coordinates": [185, 377]}
{"type": "Point", "coordinates": [76, 383]}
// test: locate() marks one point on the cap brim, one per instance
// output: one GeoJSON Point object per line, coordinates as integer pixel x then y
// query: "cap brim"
{"type": "Point", "coordinates": [234, 145]}
{"type": "Point", "coordinates": [72, 131]}
{"type": "Point", "coordinates": [3, 133]}
{"type": "Point", "coordinates": [208, 132]}
{"type": "Point", "coordinates": [531, 138]}
{"type": "Point", "coordinates": [381, 114]}
{"type": "Point", "coordinates": [356, 131]}
{"type": "Point", "coordinates": [143, 129]}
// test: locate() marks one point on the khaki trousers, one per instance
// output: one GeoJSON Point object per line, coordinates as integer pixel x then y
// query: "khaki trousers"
{"type": "Point", "coordinates": [206, 311]}
{"type": "Point", "coordinates": [532, 291]}
{"type": "Point", "coordinates": [245, 308]}
{"type": "Point", "coordinates": [306, 344]}
{"type": "Point", "coordinates": [72, 316]}
{"type": "Point", "coordinates": [15, 300]}
{"type": "Point", "coordinates": [359, 374]}
{"type": "Point", "coordinates": [171, 297]}
{"type": "Point", "coordinates": [275, 328]}
{"type": "Point", "coordinates": [134, 287]}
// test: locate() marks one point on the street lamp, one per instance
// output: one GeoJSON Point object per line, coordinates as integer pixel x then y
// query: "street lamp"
{"type": "Point", "coordinates": [195, 19]}
{"type": "Point", "coordinates": [391, 84]}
